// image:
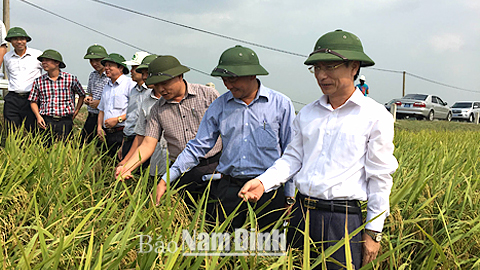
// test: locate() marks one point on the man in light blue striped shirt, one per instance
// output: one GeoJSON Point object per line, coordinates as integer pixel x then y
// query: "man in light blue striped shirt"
{"type": "Point", "coordinates": [254, 123]}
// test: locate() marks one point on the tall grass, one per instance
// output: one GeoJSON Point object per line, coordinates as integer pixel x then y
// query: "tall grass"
{"type": "Point", "coordinates": [62, 208]}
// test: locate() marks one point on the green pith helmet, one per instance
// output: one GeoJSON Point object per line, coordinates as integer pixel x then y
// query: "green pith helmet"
{"type": "Point", "coordinates": [17, 32]}
{"type": "Point", "coordinates": [164, 68]}
{"type": "Point", "coordinates": [96, 52]}
{"type": "Point", "coordinates": [147, 60]}
{"type": "Point", "coordinates": [339, 45]}
{"type": "Point", "coordinates": [116, 58]}
{"type": "Point", "coordinates": [54, 55]}
{"type": "Point", "coordinates": [238, 61]}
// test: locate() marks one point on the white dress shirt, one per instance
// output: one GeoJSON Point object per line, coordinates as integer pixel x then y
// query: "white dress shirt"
{"type": "Point", "coordinates": [341, 154]}
{"type": "Point", "coordinates": [115, 97]}
{"type": "Point", "coordinates": [22, 70]}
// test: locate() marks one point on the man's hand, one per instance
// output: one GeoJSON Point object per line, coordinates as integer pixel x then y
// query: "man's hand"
{"type": "Point", "coordinates": [41, 122]}
{"type": "Point", "coordinates": [252, 190]}
{"type": "Point", "coordinates": [370, 249]}
{"type": "Point", "coordinates": [111, 122]}
{"type": "Point", "coordinates": [101, 134]}
{"type": "Point", "coordinates": [87, 100]}
{"type": "Point", "coordinates": [123, 172]}
{"type": "Point", "coordinates": [94, 103]}
{"type": "Point", "coordinates": [161, 187]}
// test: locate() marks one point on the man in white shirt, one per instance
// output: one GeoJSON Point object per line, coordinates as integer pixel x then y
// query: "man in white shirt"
{"type": "Point", "coordinates": [341, 153]}
{"type": "Point", "coordinates": [22, 68]}
{"type": "Point", "coordinates": [113, 104]}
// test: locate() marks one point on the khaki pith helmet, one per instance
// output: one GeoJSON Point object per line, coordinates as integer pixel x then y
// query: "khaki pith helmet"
{"type": "Point", "coordinates": [96, 52]}
{"type": "Point", "coordinates": [17, 32]}
{"type": "Point", "coordinates": [164, 68]}
{"type": "Point", "coordinates": [116, 58]}
{"type": "Point", "coordinates": [238, 61]}
{"type": "Point", "coordinates": [147, 60]}
{"type": "Point", "coordinates": [54, 55]}
{"type": "Point", "coordinates": [339, 45]}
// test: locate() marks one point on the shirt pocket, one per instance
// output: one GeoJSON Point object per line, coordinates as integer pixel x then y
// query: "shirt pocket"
{"type": "Point", "coordinates": [350, 147]}
{"type": "Point", "coordinates": [120, 102]}
{"type": "Point", "coordinates": [266, 135]}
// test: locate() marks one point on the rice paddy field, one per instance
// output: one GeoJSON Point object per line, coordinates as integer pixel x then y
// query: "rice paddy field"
{"type": "Point", "coordinates": [62, 208]}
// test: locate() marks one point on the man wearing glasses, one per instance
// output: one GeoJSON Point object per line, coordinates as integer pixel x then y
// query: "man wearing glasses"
{"type": "Point", "coordinates": [177, 115]}
{"type": "Point", "coordinates": [254, 123]}
{"type": "Point", "coordinates": [342, 153]}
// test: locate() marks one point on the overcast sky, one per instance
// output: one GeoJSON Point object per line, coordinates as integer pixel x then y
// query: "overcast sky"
{"type": "Point", "coordinates": [434, 39]}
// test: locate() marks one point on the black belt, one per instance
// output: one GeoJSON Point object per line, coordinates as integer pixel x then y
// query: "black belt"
{"type": "Point", "coordinates": [237, 181]}
{"type": "Point", "coordinates": [113, 130]}
{"type": "Point", "coordinates": [58, 117]}
{"type": "Point", "coordinates": [129, 138]}
{"type": "Point", "coordinates": [23, 95]}
{"type": "Point", "coordinates": [337, 206]}
{"type": "Point", "coordinates": [210, 160]}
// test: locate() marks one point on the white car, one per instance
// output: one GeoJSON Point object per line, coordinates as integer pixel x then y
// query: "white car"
{"type": "Point", "coordinates": [465, 110]}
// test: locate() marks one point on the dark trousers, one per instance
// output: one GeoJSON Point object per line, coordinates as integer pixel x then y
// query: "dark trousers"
{"type": "Point", "coordinates": [16, 109]}
{"type": "Point", "coordinates": [325, 226]}
{"type": "Point", "coordinates": [89, 130]}
{"type": "Point", "coordinates": [57, 128]}
{"type": "Point", "coordinates": [127, 145]}
{"type": "Point", "coordinates": [192, 180]}
{"type": "Point", "coordinates": [114, 142]}
{"type": "Point", "coordinates": [226, 191]}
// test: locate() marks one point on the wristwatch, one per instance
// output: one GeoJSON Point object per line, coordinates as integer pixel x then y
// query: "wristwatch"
{"type": "Point", "coordinates": [376, 236]}
{"type": "Point", "coordinates": [120, 120]}
{"type": "Point", "coordinates": [290, 200]}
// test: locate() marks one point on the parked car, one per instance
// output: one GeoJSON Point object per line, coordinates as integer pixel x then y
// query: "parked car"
{"type": "Point", "coordinates": [388, 105]}
{"type": "Point", "coordinates": [465, 110]}
{"type": "Point", "coordinates": [423, 106]}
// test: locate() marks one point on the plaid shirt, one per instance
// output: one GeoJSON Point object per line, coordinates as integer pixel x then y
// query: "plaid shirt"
{"type": "Point", "coordinates": [56, 98]}
{"type": "Point", "coordinates": [96, 82]}
{"type": "Point", "coordinates": [179, 122]}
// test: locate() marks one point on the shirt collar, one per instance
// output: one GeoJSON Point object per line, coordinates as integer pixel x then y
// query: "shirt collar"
{"type": "Point", "coordinates": [356, 98]}
{"type": "Point", "coordinates": [118, 81]}
{"type": "Point", "coordinates": [152, 95]}
{"type": "Point", "coordinates": [190, 89]}
{"type": "Point", "coordinates": [27, 52]}
{"type": "Point", "coordinates": [262, 92]}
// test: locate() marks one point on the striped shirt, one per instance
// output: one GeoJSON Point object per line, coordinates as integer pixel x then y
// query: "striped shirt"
{"type": "Point", "coordinates": [137, 95]}
{"type": "Point", "coordinates": [179, 121]}
{"type": "Point", "coordinates": [158, 164]}
{"type": "Point", "coordinates": [56, 98]}
{"type": "Point", "coordinates": [96, 82]}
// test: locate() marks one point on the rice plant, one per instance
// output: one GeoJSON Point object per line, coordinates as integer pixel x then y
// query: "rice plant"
{"type": "Point", "coordinates": [62, 208]}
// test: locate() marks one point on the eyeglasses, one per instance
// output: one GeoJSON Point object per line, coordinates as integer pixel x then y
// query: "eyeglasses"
{"type": "Point", "coordinates": [232, 79]}
{"type": "Point", "coordinates": [329, 68]}
{"type": "Point", "coordinates": [159, 74]}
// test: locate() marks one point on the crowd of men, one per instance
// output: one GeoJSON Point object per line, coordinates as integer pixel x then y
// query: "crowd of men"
{"type": "Point", "coordinates": [248, 143]}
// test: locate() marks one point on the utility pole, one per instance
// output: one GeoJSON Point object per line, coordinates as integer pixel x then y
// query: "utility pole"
{"type": "Point", "coordinates": [403, 92]}
{"type": "Point", "coordinates": [6, 13]}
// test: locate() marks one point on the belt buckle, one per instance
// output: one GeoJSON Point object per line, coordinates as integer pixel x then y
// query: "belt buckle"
{"type": "Point", "coordinates": [310, 203]}
{"type": "Point", "coordinates": [56, 117]}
